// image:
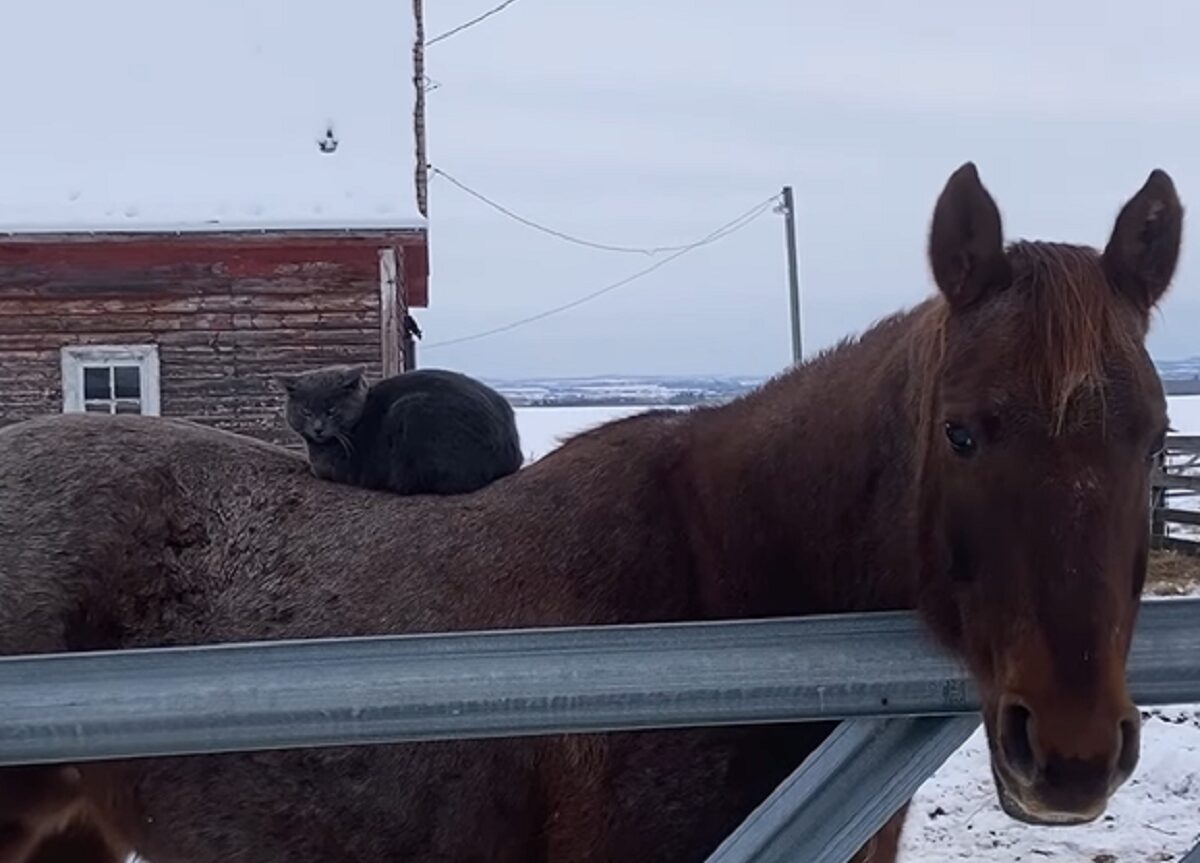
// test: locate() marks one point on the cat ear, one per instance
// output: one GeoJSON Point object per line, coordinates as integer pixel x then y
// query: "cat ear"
{"type": "Point", "coordinates": [353, 376]}
{"type": "Point", "coordinates": [287, 383]}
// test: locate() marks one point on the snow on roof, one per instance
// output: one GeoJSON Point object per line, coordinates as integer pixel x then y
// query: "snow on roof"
{"type": "Point", "coordinates": [145, 115]}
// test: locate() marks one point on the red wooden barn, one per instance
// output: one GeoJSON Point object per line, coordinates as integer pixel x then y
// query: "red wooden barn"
{"type": "Point", "coordinates": [194, 197]}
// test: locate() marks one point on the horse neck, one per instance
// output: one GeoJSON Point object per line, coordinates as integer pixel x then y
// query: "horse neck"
{"type": "Point", "coordinates": [806, 491]}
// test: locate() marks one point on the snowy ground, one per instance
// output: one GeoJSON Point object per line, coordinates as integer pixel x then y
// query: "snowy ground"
{"type": "Point", "coordinates": [1185, 414]}
{"type": "Point", "coordinates": [1155, 818]}
{"type": "Point", "coordinates": [543, 429]}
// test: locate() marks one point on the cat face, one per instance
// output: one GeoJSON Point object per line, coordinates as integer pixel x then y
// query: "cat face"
{"type": "Point", "coordinates": [324, 404]}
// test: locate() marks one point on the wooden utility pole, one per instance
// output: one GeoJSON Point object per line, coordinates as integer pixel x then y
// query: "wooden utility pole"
{"type": "Point", "coordinates": [789, 218]}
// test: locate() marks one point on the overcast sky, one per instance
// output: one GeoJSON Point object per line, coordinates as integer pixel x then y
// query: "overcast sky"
{"type": "Point", "coordinates": [651, 122]}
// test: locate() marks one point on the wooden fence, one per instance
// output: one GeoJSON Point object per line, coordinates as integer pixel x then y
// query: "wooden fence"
{"type": "Point", "coordinates": [1177, 477]}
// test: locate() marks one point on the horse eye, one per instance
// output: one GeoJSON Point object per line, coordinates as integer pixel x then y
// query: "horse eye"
{"type": "Point", "coordinates": [961, 440]}
{"type": "Point", "coordinates": [1156, 451]}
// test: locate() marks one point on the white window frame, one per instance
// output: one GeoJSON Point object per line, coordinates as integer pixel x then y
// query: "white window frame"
{"type": "Point", "coordinates": [75, 358]}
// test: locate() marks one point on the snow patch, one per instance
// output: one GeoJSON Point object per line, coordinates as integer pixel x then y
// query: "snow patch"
{"type": "Point", "coordinates": [138, 115]}
{"type": "Point", "coordinates": [1153, 818]}
{"type": "Point", "coordinates": [545, 429]}
{"type": "Point", "coordinates": [1185, 414]}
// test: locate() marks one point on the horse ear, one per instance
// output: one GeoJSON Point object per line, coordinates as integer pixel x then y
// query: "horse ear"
{"type": "Point", "coordinates": [966, 241]}
{"type": "Point", "coordinates": [1141, 255]}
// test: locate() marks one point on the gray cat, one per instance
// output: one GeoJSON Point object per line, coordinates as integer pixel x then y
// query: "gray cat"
{"type": "Point", "coordinates": [430, 431]}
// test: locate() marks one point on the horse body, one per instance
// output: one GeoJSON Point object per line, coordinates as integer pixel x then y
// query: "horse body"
{"type": "Point", "coordinates": [865, 480]}
{"type": "Point", "coordinates": [195, 536]}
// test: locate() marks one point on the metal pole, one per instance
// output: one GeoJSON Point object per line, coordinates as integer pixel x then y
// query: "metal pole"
{"type": "Point", "coordinates": [843, 793]}
{"type": "Point", "coordinates": [789, 217]}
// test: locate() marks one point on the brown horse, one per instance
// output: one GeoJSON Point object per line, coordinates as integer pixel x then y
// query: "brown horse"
{"type": "Point", "coordinates": [982, 458]}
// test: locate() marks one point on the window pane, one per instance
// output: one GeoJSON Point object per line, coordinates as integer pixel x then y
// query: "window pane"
{"type": "Point", "coordinates": [98, 408]}
{"type": "Point", "coordinates": [95, 383]}
{"type": "Point", "coordinates": [128, 382]}
{"type": "Point", "coordinates": [129, 407]}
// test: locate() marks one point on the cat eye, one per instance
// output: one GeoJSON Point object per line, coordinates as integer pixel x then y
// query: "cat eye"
{"type": "Point", "coordinates": [961, 439]}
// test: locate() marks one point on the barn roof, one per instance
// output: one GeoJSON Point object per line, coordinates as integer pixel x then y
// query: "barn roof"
{"type": "Point", "coordinates": [144, 115]}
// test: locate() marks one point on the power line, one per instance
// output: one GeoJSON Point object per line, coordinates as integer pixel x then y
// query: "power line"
{"type": "Point", "coordinates": [561, 235]}
{"type": "Point", "coordinates": [729, 228]}
{"type": "Point", "coordinates": [463, 26]}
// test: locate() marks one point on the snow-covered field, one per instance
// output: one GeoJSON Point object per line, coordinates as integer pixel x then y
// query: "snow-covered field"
{"type": "Point", "coordinates": [1185, 414]}
{"type": "Point", "coordinates": [1155, 818]}
{"type": "Point", "coordinates": [543, 429]}
{"type": "Point", "coordinates": [258, 120]}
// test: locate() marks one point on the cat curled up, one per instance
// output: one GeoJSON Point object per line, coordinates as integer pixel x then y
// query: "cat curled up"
{"type": "Point", "coordinates": [429, 431]}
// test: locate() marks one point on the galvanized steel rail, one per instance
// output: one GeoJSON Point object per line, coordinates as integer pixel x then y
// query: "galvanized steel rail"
{"type": "Point", "coordinates": [1193, 856]}
{"type": "Point", "coordinates": [845, 791]}
{"type": "Point", "coordinates": [209, 699]}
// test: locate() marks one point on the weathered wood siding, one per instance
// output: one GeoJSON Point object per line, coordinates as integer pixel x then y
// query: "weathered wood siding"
{"type": "Point", "coordinates": [226, 312]}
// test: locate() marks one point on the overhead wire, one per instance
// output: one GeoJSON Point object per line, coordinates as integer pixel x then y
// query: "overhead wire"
{"type": "Point", "coordinates": [672, 253]}
{"type": "Point", "coordinates": [728, 229]}
{"type": "Point", "coordinates": [468, 24]}
{"type": "Point", "coordinates": [553, 232]}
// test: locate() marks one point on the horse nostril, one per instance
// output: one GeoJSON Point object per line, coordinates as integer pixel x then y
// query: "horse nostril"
{"type": "Point", "coordinates": [1131, 733]}
{"type": "Point", "coordinates": [1016, 739]}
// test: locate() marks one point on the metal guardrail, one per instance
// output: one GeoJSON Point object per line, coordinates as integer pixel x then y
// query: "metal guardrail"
{"type": "Point", "coordinates": [845, 791]}
{"type": "Point", "coordinates": [1193, 856]}
{"type": "Point", "coordinates": [173, 701]}
{"type": "Point", "coordinates": [79, 707]}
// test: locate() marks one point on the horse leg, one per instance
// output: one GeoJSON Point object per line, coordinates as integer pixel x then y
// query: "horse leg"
{"type": "Point", "coordinates": [884, 846]}
{"type": "Point", "coordinates": [44, 819]}
{"type": "Point", "coordinates": [17, 842]}
{"type": "Point", "coordinates": [29, 798]}
{"type": "Point", "coordinates": [79, 842]}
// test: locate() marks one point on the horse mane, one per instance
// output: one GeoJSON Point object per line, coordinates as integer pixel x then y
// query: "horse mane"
{"type": "Point", "coordinates": [1079, 320]}
{"type": "Point", "coordinates": [1067, 315]}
